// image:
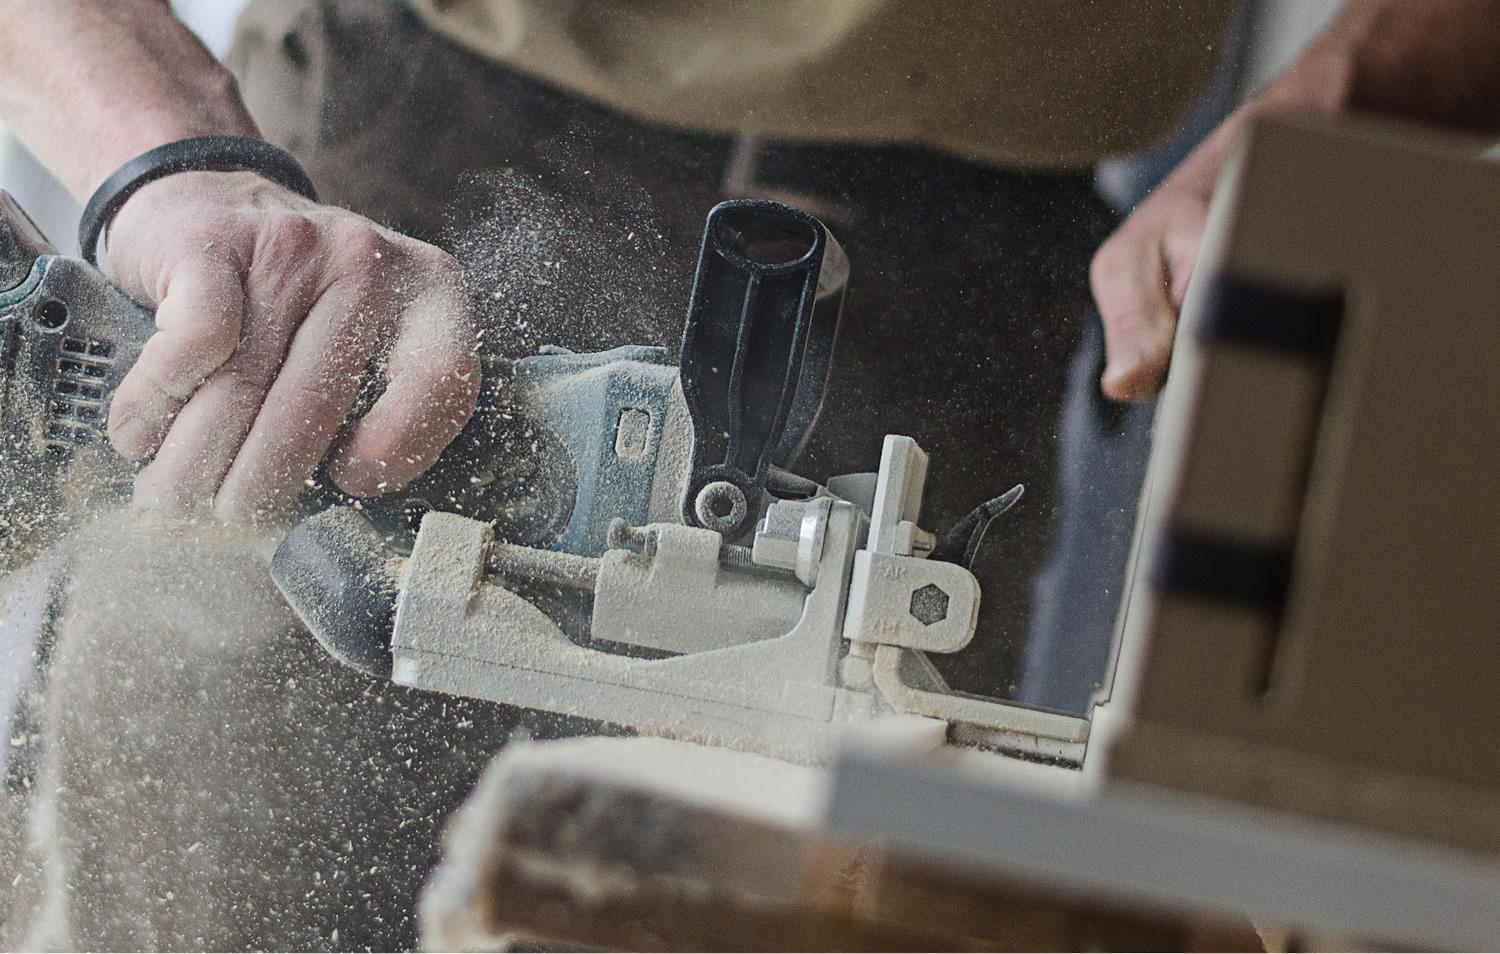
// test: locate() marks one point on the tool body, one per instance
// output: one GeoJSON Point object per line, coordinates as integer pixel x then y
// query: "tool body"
{"type": "Point", "coordinates": [611, 536]}
{"type": "Point", "coordinates": [67, 337]}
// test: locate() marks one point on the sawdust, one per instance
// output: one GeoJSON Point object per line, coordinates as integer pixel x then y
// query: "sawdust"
{"type": "Point", "coordinates": [253, 792]}
{"type": "Point", "coordinates": [585, 267]}
{"type": "Point", "coordinates": [204, 740]}
{"type": "Point", "coordinates": [188, 708]}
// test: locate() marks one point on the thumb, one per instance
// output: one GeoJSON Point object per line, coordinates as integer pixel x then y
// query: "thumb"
{"type": "Point", "coordinates": [1131, 289]}
{"type": "Point", "coordinates": [1140, 277]}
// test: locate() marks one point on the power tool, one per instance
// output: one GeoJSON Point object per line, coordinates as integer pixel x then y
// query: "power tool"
{"type": "Point", "coordinates": [612, 536]}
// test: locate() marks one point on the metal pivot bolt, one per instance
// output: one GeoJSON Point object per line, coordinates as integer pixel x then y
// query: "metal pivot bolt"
{"type": "Point", "coordinates": [791, 535]}
{"type": "Point", "coordinates": [720, 506]}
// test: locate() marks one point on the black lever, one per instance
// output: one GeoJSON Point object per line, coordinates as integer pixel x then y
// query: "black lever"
{"type": "Point", "coordinates": [961, 543]}
{"type": "Point", "coordinates": [756, 352]}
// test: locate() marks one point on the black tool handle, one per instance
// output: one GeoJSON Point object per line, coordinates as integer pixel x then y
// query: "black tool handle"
{"type": "Point", "coordinates": [756, 352]}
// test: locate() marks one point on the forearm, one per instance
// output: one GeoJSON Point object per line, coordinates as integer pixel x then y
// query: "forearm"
{"type": "Point", "coordinates": [1435, 61]}
{"type": "Point", "coordinates": [1430, 61]}
{"type": "Point", "coordinates": [88, 84]}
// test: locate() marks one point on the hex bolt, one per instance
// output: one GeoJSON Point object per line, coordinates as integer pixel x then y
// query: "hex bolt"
{"type": "Point", "coordinates": [929, 604]}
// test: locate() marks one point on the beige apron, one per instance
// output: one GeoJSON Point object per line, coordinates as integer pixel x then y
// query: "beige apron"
{"type": "Point", "coordinates": [1022, 82]}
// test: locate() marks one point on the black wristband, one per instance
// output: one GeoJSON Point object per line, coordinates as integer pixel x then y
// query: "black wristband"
{"type": "Point", "coordinates": [199, 154]}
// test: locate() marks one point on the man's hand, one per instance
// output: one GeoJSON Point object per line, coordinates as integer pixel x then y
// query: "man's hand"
{"type": "Point", "coordinates": [270, 308]}
{"type": "Point", "coordinates": [1434, 61]}
{"type": "Point", "coordinates": [1140, 274]}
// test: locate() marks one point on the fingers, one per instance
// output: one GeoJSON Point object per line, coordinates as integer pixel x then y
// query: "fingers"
{"type": "Point", "coordinates": [198, 329]}
{"type": "Point", "coordinates": [208, 432]}
{"type": "Point", "coordinates": [433, 383]}
{"type": "Point", "coordinates": [204, 438]}
{"type": "Point", "coordinates": [212, 426]}
{"type": "Point", "coordinates": [250, 435]}
{"type": "Point", "coordinates": [306, 405]}
{"type": "Point", "coordinates": [1139, 277]}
